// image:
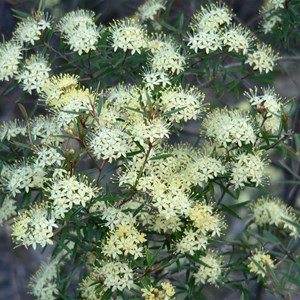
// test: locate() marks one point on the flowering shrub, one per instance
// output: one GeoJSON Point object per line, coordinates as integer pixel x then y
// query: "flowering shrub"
{"type": "Point", "coordinates": [92, 170]}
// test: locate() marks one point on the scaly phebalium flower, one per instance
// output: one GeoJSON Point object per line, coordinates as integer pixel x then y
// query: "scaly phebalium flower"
{"type": "Point", "coordinates": [237, 39]}
{"type": "Point", "coordinates": [152, 293]}
{"type": "Point", "coordinates": [79, 30]}
{"type": "Point", "coordinates": [269, 17]}
{"type": "Point", "coordinates": [11, 129]}
{"type": "Point", "coordinates": [204, 168]}
{"type": "Point", "coordinates": [124, 240]}
{"type": "Point", "coordinates": [89, 290]}
{"type": "Point", "coordinates": [248, 168]}
{"type": "Point", "coordinates": [21, 177]}
{"type": "Point", "coordinates": [48, 156]}
{"type": "Point", "coordinates": [33, 227]}
{"type": "Point", "coordinates": [262, 59]}
{"type": "Point", "coordinates": [192, 241]}
{"type": "Point", "coordinates": [46, 130]}
{"type": "Point", "coordinates": [115, 275]}
{"type": "Point", "coordinates": [128, 35]}
{"type": "Point", "coordinates": [67, 191]}
{"type": "Point", "coordinates": [42, 284]}
{"type": "Point", "coordinates": [150, 9]}
{"type": "Point", "coordinates": [31, 28]}
{"type": "Point", "coordinates": [229, 127]}
{"type": "Point", "coordinates": [166, 55]}
{"type": "Point", "coordinates": [273, 211]}
{"type": "Point", "coordinates": [10, 56]}
{"type": "Point", "coordinates": [268, 102]}
{"type": "Point", "coordinates": [187, 104]}
{"type": "Point", "coordinates": [34, 74]}
{"type": "Point", "coordinates": [54, 89]}
{"type": "Point", "coordinates": [7, 209]}
{"type": "Point", "coordinates": [211, 17]}
{"type": "Point", "coordinates": [260, 261]}
{"type": "Point", "coordinates": [110, 143]}
{"type": "Point", "coordinates": [212, 271]}
{"type": "Point", "coordinates": [206, 220]}
{"type": "Point", "coordinates": [153, 79]}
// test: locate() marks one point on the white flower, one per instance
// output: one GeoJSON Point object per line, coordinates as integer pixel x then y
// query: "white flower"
{"type": "Point", "coordinates": [248, 168]}
{"type": "Point", "coordinates": [10, 56]}
{"type": "Point", "coordinates": [11, 129]}
{"type": "Point", "coordinates": [34, 74]}
{"type": "Point", "coordinates": [187, 104]}
{"type": "Point", "coordinates": [208, 41]}
{"type": "Point", "coordinates": [34, 227]}
{"type": "Point", "coordinates": [47, 156]}
{"type": "Point", "coordinates": [66, 192]}
{"type": "Point", "coordinates": [153, 79]}
{"type": "Point", "coordinates": [229, 127]}
{"type": "Point", "coordinates": [150, 9]}
{"type": "Point", "coordinates": [259, 262]}
{"type": "Point", "coordinates": [79, 30]}
{"type": "Point", "coordinates": [128, 35]}
{"type": "Point", "coordinates": [30, 29]}
{"type": "Point", "coordinates": [23, 177]}
{"type": "Point", "coordinates": [237, 39]}
{"type": "Point", "coordinates": [210, 272]}
{"type": "Point", "coordinates": [262, 59]}
{"type": "Point", "coordinates": [110, 143]}
{"type": "Point", "coordinates": [117, 275]}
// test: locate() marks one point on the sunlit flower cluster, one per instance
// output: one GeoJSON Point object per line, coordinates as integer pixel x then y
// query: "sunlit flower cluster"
{"type": "Point", "coordinates": [21, 177]}
{"type": "Point", "coordinates": [79, 30]}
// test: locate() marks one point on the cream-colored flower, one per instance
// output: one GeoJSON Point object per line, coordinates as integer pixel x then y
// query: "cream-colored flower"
{"type": "Point", "coordinates": [34, 74]}
{"type": "Point", "coordinates": [150, 9]}
{"type": "Point", "coordinates": [128, 35]}
{"type": "Point", "coordinates": [10, 56]}
{"type": "Point", "coordinates": [229, 127]}
{"type": "Point", "coordinates": [11, 129]}
{"type": "Point", "coordinates": [79, 30]}
{"type": "Point", "coordinates": [31, 28]}
{"type": "Point", "coordinates": [273, 211]}
{"type": "Point", "coordinates": [212, 271]}
{"type": "Point", "coordinates": [262, 59]}
{"type": "Point", "coordinates": [260, 261]}
{"type": "Point", "coordinates": [33, 227]}
{"type": "Point", "coordinates": [248, 168]}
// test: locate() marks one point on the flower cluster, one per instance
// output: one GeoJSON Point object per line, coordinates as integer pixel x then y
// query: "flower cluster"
{"type": "Point", "coordinates": [33, 227]}
{"type": "Point", "coordinates": [260, 262]}
{"type": "Point", "coordinates": [34, 74]}
{"type": "Point", "coordinates": [270, 17]}
{"type": "Point", "coordinates": [128, 35]}
{"type": "Point", "coordinates": [150, 9]}
{"type": "Point", "coordinates": [10, 56]}
{"type": "Point", "coordinates": [228, 127]}
{"type": "Point", "coordinates": [31, 28]}
{"type": "Point", "coordinates": [65, 192]}
{"type": "Point", "coordinates": [12, 129]}
{"type": "Point", "coordinates": [248, 168]}
{"type": "Point", "coordinates": [272, 211]}
{"type": "Point", "coordinates": [79, 30]}
{"type": "Point", "coordinates": [8, 209]}
{"type": "Point", "coordinates": [211, 271]}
